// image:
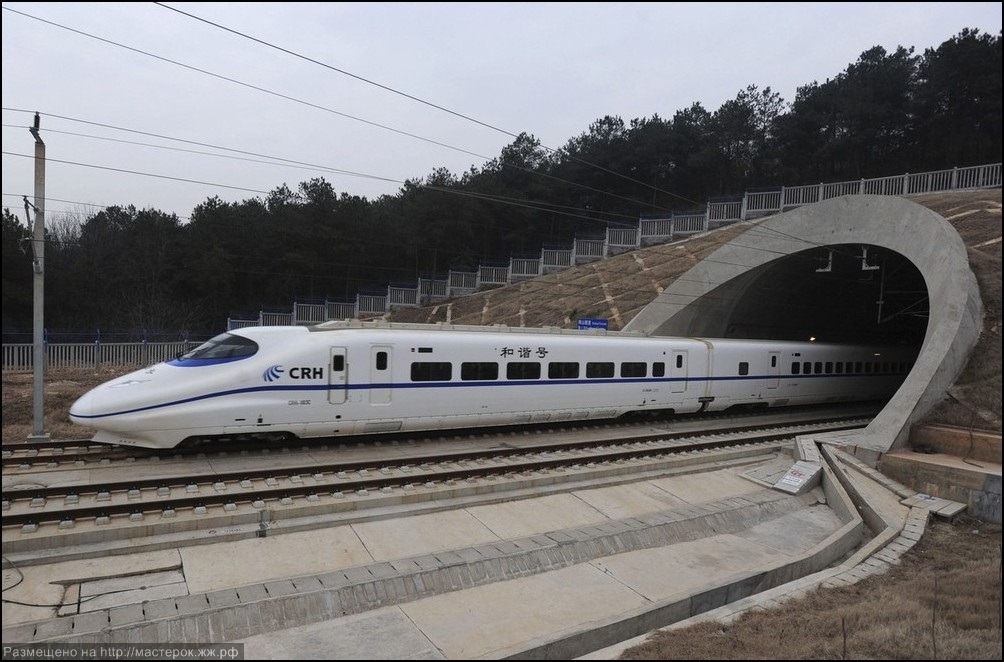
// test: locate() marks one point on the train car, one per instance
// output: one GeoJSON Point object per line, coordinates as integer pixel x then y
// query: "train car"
{"type": "Point", "coordinates": [352, 378]}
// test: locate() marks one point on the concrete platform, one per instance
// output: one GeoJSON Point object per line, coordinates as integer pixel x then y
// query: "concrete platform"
{"type": "Point", "coordinates": [971, 479]}
{"type": "Point", "coordinates": [554, 576]}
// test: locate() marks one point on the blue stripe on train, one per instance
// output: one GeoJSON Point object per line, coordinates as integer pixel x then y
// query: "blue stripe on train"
{"type": "Point", "coordinates": [520, 382]}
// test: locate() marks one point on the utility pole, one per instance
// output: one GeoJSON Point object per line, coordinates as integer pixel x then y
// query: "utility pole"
{"type": "Point", "coordinates": [38, 265]}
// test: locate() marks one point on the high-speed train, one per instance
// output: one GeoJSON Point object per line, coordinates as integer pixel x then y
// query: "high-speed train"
{"type": "Point", "coordinates": [352, 378]}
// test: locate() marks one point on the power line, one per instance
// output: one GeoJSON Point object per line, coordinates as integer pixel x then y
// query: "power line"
{"type": "Point", "coordinates": [416, 99]}
{"type": "Point", "coordinates": [758, 228]}
{"type": "Point", "coordinates": [144, 174]}
{"type": "Point", "coordinates": [84, 204]}
{"type": "Point", "coordinates": [525, 204]}
{"type": "Point", "coordinates": [529, 204]}
{"type": "Point", "coordinates": [275, 160]}
{"type": "Point", "coordinates": [323, 108]}
{"type": "Point", "coordinates": [336, 69]}
{"type": "Point", "coordinates": [243, 84]}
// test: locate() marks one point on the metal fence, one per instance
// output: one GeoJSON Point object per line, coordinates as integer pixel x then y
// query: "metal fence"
{"type": "Point", "coordinates": [19, 357]}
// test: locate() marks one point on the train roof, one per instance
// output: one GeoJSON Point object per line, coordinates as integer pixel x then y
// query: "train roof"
{"type": "Point", "coordinates": [342, 325]}
{"type": "Point", "coordinates": [469, 328]}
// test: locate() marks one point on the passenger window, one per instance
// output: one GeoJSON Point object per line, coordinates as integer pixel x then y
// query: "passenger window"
{"type": "Point", "coordinates": [431, 372]}
{"type": "Point", "coordinates": [523, 371]}
{"type": "Point", "coordinates": [634, 370]}
{"type": "Point", "coordinates": [479, 371]}
{"type": "Point", "coordinates": [818, 368]}
{"type": "Point", "coordinates": [658, 369]}
{"type": "Point", "coordinates": [744, 368]}
{"type": "Point", "coordinates": [599, 370]}
{"type": "Point", "coordinates": [795, 368]}
{"type": "Point", "coordinates": [562, 370]}
{"type": "Point", "coordinates": [381, 360]}
{"type": "Point", "coordinates": [858, 368]}
{"type": "Point", "coordinates": [829, 367]}
{"type": "Point", "coordinates": [807, 368]}
{"type": "Point", "coordinates": [840, 367]}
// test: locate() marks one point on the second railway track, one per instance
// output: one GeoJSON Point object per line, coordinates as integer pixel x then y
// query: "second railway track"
{"type": "Point", "coordinates": [252, 501]}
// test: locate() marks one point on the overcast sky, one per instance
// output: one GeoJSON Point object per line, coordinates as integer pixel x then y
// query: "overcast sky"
{"type": "Point", "coordinates": [547, 69]}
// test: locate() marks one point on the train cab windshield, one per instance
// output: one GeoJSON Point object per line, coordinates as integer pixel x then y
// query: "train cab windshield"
{"type": "Point", "coordinates": [223, 348]}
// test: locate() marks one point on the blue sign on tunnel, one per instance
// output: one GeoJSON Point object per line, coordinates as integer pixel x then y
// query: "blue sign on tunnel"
{"type": "Point", "coordinates": [592, 323]}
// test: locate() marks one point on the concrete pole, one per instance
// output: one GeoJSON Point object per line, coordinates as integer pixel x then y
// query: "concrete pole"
{"type": "Point", "coordinates": [38, 248]}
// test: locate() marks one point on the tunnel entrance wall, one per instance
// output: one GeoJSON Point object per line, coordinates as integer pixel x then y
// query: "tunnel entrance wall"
{"type": "Point", "coordinates": [702, 301]}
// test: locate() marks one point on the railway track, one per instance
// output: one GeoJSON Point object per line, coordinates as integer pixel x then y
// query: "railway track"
{"type": "Point", "coordinates": [198, 498]}
{"type": "Point", "coordinates": [50, 454]}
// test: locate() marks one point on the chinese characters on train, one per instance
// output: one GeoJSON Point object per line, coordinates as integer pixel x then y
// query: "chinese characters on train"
{"type": "Point", "coordinates": [523, 352]}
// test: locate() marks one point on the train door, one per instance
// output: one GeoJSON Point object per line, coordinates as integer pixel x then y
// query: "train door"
{"type": "Point", "coordinates": [773, 369]}
{"type": "Point", "coordinates": [337, 375]}
{"type": "Point", "coordinates": [678, 371]}
{"type": "Point", "coordinates": [380, 374]}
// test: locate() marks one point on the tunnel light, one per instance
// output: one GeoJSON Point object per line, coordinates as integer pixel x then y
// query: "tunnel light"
{"type": "Point", "coordinates": [812, 338]}
{"type": "Point", "coordinates": [864, 261]}
{"type": "Point", "coordinates": [828, 267]}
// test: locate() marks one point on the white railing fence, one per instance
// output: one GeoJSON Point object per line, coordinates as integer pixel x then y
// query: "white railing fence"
{"type": "Point", "coordinates": [18, 357]}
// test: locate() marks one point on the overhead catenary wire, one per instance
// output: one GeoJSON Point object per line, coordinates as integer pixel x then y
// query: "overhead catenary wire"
{"type": "Point", "coordinates": [593, 215]}
{"type": "Point", "coordinates": [417, 99]}
{"type": "Point", "coordinates": [287, 97]}
{"type": "Point", "coordinates": [276, 160]}
{"type": "Point", "coordinates": [137, 172]}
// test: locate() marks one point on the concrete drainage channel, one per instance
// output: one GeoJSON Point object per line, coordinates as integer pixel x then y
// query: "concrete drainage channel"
{"type": "Point", "coordinates": [235, 614]}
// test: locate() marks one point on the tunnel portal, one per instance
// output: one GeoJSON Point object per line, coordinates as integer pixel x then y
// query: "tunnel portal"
{"type": "Point", "coordinates": [857, 268]}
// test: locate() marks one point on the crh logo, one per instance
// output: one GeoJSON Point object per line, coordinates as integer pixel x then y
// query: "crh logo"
{"type": "Point", "coordinates": [298, 372]}
{"type": "Point", "coordinates": [273, 373]}
{"type": "Point", "coordinates": [306, 372]}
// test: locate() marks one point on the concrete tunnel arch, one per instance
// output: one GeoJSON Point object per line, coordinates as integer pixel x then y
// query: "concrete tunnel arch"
{"type": "Point", "coordinates": [702, 301]}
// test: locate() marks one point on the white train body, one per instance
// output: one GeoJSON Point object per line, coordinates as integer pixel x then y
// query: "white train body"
{"type": "Point", "coordinates": [350, 378]}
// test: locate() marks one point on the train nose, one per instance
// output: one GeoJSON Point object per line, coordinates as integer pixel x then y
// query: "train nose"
{"type": "Point", "coordinates": [83, 409]}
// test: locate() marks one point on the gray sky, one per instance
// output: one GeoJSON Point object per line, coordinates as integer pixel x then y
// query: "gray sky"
{"type": "Point", "coordinates": [547, 69]}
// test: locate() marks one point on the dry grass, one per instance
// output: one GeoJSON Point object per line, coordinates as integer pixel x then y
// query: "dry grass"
{"type": "Point", "coordinates": [975, 398]}
{"type": "Point", "coordinates": [942, 602]}
{"type": "Point", "coordinates": [62, 388]}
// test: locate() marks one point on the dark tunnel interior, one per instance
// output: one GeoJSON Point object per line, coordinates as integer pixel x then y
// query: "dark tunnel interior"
{"type": "Point", "coordinates": [846, 293]}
